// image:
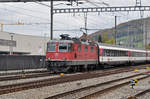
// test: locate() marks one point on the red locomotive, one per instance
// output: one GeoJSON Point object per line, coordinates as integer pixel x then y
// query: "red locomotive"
{"type": "Point", "coordinates": [74, 55]}
{"type": "Point", "coordinates": [71, 55]}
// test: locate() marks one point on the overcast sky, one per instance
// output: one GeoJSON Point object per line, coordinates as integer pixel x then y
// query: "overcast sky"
{"type": "Point", "coordinates": [12, 13]}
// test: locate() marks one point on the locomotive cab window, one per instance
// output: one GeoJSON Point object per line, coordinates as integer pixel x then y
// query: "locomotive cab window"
{"type": "Point", "coordinates": [51, 47]}
{"type": "Point", "coordinates": [63, 47]}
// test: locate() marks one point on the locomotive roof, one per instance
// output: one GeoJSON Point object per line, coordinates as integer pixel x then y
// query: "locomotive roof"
{"type": "Point", "coordinates": [70, 41]}
{"type": "Point", "coordinates": [102, 45]}
{"type": "Point", "coordinates": [62, 41]}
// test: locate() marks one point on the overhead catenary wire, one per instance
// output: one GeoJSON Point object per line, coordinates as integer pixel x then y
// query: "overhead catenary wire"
{"type": "Point", "coordinates": [14, 11]}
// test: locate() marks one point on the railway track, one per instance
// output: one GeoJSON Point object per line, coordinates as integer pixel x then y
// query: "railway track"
{"type": "Point", "coordinates": [5, 89]}
{"type": "Point", "coordinates": [85, 90]}
{"type": "Point", "coordinates": [139, 94]}
{"type": "Point", "coordinates": [25, 76]}
{"type": "Point", "coordinates": [35, 75]}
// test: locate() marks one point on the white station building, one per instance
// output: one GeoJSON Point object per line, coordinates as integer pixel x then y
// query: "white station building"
{"type": "Point", "coordinates": [18, 44]}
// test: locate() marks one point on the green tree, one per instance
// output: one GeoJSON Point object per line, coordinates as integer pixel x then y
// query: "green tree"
{"type": "Point", "coordinates": [147, 46]}
{"type": "Point", "coordinates": [104, 37]}
{"type": "Point", "coordinates": [111, 41]}
{"type": "Point", "coordinates": [99, 38]}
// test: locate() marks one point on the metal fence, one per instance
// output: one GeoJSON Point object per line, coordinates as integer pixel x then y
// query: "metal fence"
{"type": "Point", "coordinates": [21, 62]}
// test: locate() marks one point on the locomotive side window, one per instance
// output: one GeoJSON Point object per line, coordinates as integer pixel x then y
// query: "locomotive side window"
{"type": "Point", "coordinates": [85, 48]}
{"type": "Point", "coordinates": [70, 47]}
{"type": "Point", "coordinates": [51, 47]}
{"type": "Point", "coordinates": [63, 47]}
{"type": "Point", "coordinates": [79, 48]}
{"type": "Point", "coordinates": [92, 48]}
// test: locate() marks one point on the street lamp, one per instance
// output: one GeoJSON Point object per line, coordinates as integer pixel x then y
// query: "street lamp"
{"type": "Point", "coordinates": [11, 46]}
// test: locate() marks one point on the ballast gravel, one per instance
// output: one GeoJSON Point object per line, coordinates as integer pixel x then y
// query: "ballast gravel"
{"type": "Point", "coordinates": [44, 92]}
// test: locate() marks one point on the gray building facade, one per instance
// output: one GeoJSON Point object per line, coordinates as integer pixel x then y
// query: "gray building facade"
{"type": "Point", "coordinates": [22, 44]}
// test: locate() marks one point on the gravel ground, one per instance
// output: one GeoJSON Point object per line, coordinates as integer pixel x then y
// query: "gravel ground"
{"type": "Point", "coordinates": [126, 91]}
{"type": "Point", "coordinates": [40, 93]}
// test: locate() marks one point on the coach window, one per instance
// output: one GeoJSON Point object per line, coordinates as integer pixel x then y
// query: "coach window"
{"type": "Point", "coordinates": [103, 52]}
{"type": "Point", "coordinates": [85, 48]}
{"type": "Point", "coordinates": [132, 54]}
{"type": "Point", "coordinates": [118, 53]}
{"type": "Point", "coordinates": [108, 53]}
{"type": "Point", "coordinates": [138, 54]}
{"type": "Point", "coordinates": [124, 53]}
{"type": "Point", "coordinates": [63, 47]}
{"type": "Point", "coordinates": [115, 53]}
{"type": "Point", "coordinates": [143, 54]}
{"type": "Point", "coordinates": [112, 53]}
{"type": "Point", "coordinates": [79, 48]}
{"type": "Point", "coordinates": [51, 47]}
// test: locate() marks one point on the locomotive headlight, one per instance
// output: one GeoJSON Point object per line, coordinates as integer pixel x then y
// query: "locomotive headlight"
{"type": "Point", "coordinates": [49, 59]}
